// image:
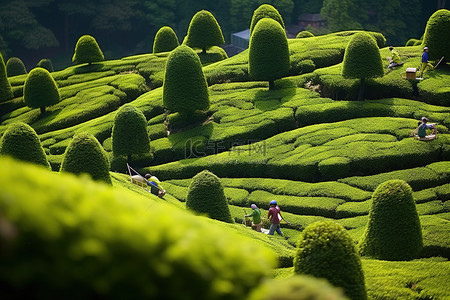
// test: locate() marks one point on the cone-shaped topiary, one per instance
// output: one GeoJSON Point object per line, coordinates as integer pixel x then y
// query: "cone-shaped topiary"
{"type": "Point", "coordinates": [21, 142]}
{"type": "Point", "coordinates": [206, 196]}
{"type": "Point", "coordinates": [362, 60]}
{"type": "Point", "coordinates": [326, 250]}
{"type": "Point", "coordinates": [46, 63]}
{"type": "Point", "coordinates": [393, 231]}
{"type": "Point", "coordinates": [165, 40]}
{"type": "Point", "coordinates": [40, 89]}
{"type": "Point", "coordinates": [129, 133]}
{"type": "Point", "coordinates": [15, 66]}
{"type": "Point", "coordinates": [298, 287]}
{"type": "Point", "coordinates": [304, 34]}
{"type": "Point", "coordinates": [204, 31]}
{"type": "Point", "coordinates": [185, 89]}
{"type": "Point", "coordinates": [265, 11]}
{"type": "Point", "coordinates": [5, 87]}
{"type": "Point", "coordinates": [87, 50]}
{"type": "Point", "coordinates": [269, 52]}
{"type": "Point", "coordinates": [437, 35]}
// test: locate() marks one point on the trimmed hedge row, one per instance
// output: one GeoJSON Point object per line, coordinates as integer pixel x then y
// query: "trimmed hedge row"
{"type": "Point", "coordinates": [5, 87]}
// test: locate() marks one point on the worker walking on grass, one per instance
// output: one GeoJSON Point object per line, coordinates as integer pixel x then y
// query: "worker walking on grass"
{"type": "Point", "coordinates": [275, 218]}
{"type": "Point", "coordinates": [425, 64]}
{"type": "Point", "coordinates": [256, 214]}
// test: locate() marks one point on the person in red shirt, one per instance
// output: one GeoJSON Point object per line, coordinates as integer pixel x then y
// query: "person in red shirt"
{"type": "Point", "coordinates": [275, 217]}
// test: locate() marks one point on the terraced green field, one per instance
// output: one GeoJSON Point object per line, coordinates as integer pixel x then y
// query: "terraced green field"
{"type": "Point", "coordinates": [306, 144]}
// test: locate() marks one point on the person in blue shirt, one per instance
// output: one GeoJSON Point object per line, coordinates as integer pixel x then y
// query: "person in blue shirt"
{"type": "Point", "coordinates": [425, 64]}
{"type": "Point", "coordinates": [424, 126]}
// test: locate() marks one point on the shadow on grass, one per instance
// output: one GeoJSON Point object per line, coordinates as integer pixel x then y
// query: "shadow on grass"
{"type": "Point", "coordinates": [266, 100]}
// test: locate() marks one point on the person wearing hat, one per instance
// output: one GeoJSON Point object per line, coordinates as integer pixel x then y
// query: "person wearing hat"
{"type": "Point", "coordinates": [395, 58]}
{"type": "Point", "coordinates": [425, 64]}
{"type": "Point", "coordinates": [256, 214]}
{"type": "Point", "coordinates": [421, 131]}
{"type": "Point", "coordinates": [275, 217]}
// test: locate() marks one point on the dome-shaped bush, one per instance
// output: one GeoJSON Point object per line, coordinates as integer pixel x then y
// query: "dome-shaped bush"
{"type": "Point", "coordinates": [85, 155]}
{"type": "Point", "coordinates": [269, 52]}
{"type": "Point", "coordinates": [46, 63]}
{"type": "Point", "coordinates": [298, 287]}
{"type": "Point", "coordinates": [87, 50]}
{"type": "Point", "coordinates": [204, 31]}
{"type": "Point", "coordinates": [5, 87]}
{"type": "Point", "coordinates": [304, 34]}
{"type": "Point", "coordinates": [326, 250]}
{"type": "Point", "coordinates": [129, 132]}
{"type": "Point", "coordinates": [265, 11]}
{"type": "Point", "coordinates": [15, 66]}
{"type": "Point", "coordinates": [206, 196]}
{"type": "Point", "coordinates": [393, 231]}
{"type": "Point", "coordinates": [185, 89]}
{"type": "Point", "coordinates": [21, 142]}
{"type": "Point", "coordinates": [437, 35]}
{"type": "Point", "coordinates": [413, 42]}
{"type": "Point", "coordinates": [40, 89]}
{"type": "Point", "coordinates": [165, 40]}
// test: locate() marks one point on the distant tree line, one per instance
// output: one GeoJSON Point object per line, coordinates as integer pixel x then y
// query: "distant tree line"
{"type": "Point", "coordinates": [123, 27]}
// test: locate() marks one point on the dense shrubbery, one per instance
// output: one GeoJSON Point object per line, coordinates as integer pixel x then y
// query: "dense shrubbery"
{"type": "Point", "coordinates": [204, 31]}
{"type": "Point", "coordinates": [326, 250]}
{"type": "Point", "coordinates": [437, 33]}
{"type": "Point", "coordinates": [304, 34]}
{"type": "Point", "coordinates": [15, 66]}
{"type": "Point", "coordinates": [76, 238]}
{"type": "Point", "coordinates": [45, 63]}
{"type": "Point", "coordinates": [165, 40]}
{"type": "Point", "coordinates": [206, 196]}
{"type": "Point", "coordinates": [393, 231]}
{"type": "Point", "coordinates": [85, 155]}
{"type": "Point", "coordinates": [185, 89]}
{"type": "Point", "coordinates": [413, 42]}
{"type": "Point", "coordinates": [87, 51]}
{"type": "Point", "coordinates": [40, 89]}
{"type": "Point", "coordinates": [5, 87]}
{"type": "Point", "coordinates": [21, 142]}
{"type": "Point", "coordinates": [269, 52]}
{"type": "Point", "coordinates": [265, 11]}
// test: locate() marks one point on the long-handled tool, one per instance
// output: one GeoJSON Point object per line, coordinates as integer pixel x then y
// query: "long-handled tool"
{"type": "Point", "coordinates": [442, 58]}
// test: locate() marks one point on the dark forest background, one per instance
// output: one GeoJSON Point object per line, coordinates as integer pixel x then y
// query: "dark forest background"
{"type": "Point", "coordinates": [35, 29]}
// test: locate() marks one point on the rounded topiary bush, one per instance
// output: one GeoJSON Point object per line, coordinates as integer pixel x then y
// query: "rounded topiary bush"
{"type": "Point", "coordinates": [129, 132]}
{"type": "Point", "coordinates": [265, 11]}
{"type": "Point", "coordinates": [269, 52]}
{"type": "Point", "coordinates": [165, 40]}
{"type": "Point", "coordinates": [40, 89]}
{"type": "Point", "coordinates": [46, 63]}
{"type": "Point", "coordinates": [206, 196]}
{"type": "Point", "coordinates": [87, 51]}
{"type": "Point", "coordinates": [326, 250]}
{"type": "Point", "coordinates": [15, 66]}
{"type": "Point", "coordinates": [204, 31]}
{"type": "Point", "coordinates": [413, 42]}
{"type": "Point", "coordinates": [185, 89]}
{"type": "Point", "coordinates": [298, 287]}
{"type": "Point", "coordinates": [21, 142]}
{"type": "Point", "coordinates": [85, 155]}
{"type": "Point", "coordinates": [393, 231]}
{"type": "Point", "coordinates": [437, 35]}
{"type": "Point", "coordinates": [5, 87]}
{"type": "Point", "coordinates": [304, 34]}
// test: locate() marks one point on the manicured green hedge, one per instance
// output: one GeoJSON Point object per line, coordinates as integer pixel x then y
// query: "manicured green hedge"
{"type": "Point", "coordinates": [393, 231]}
{"type": "Point", "coordinates": [435, 89]}
{"type": "Point", "coordinates": [5, 87]}
{"type": "Point", "coordinates": [438, 27]}
{"type": "Point", "coordinates": [265, 11]}
{"type": "Point", "coordinates": [40, 89]}
{"type": "Point", "coordinates": [87, 51]}
{"type": "Point", "coordinates": [165, 40]}
{"type": "Point", "coordinates": [15, 66]}
{"type": "Point", "coordinates": [413, 42]}
{"type": "Point", "coordinates": [75, 237]}
{"type": "Point", "coordinates": [204, 31]}
{"type": "Point", "coordinates": [46, 63]}
{"type": "Point", "coordinates": [304, 34]}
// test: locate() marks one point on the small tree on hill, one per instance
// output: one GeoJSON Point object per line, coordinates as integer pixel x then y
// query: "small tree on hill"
{"type": "Point", "coordinates": [206, 196]}
{"type": "Point", "coordinates": [304, 34]}
{"type": "Point", "coordinates": [40, 89]}
{"type": "Point", "coordinates": [326, 250]}
{"type": "Point", "coordinates": [265, 11]}
{"type": "Point", "coordinates": [21, 142]}
{"type": "Point", "coordinates": [87, 51]}
{"type": "Point", "coordinates": [269, 52]}
{"type": "Point", "coordinates": [129, 133]}
{"type": "Point", "coordinates": [165, 40]}
{"type": "Point", "coordinates": [85, 155]}
{"type": "Point", "coordinates": [437, 35]}
{"type": "Point", "coordinates": [5, 87]}
{"type": "Point", "coordinates": [204, 31]}
{"type": "Point", "coordinates": [393, 231]}
{"type": "Point", "coordinates": [362, 60]}
{"type": "Point", "coordinates": [185, 89]}
{"type": "Point", "coordinates": [46, 63]}
{"type": "Point", "coordinates": [15, 66]}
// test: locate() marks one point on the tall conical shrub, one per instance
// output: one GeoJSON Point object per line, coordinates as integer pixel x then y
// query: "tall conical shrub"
{"type": "Point", "coordinates": [165, 40]}
{"type": "Point", "coordinates": [265, 11]}
{"type": "Point", "coordinates": [5, 87]}
{"type": "Point", "coordinates": [21, 142]}
{"type": "Point", "coordinates": [87, 51]}
{"type": "Point", "coordinates": [326, 250]}
{"type": "Point", "coordinates": [204, 31]}
{"type": "Point", "coordinates": [206, 196]}
{"type": "Point", "coordinates": [40, 89]}
{"type": "Point", "coordinates": [85, 155]}
{"type": "Point", "coordinates": [15, 66]}
{"type": "Point", "coordinates": [393, 231]}
{"type": "Point", "coordinates": [46, 63]}
{"type": "Point", "coordinates": [437, 35]}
